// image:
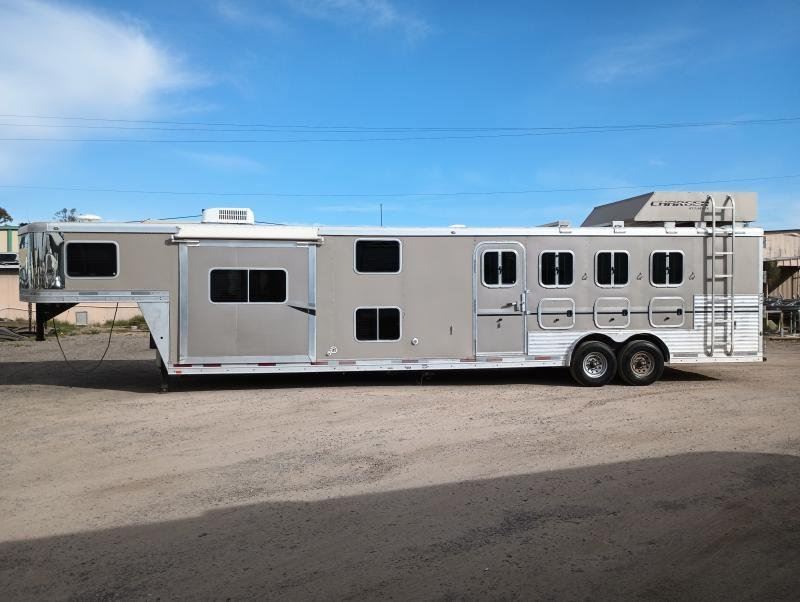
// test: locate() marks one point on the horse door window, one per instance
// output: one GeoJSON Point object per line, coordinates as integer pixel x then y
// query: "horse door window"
{"type": "Point", "coordinates": [666, 268]}
{"type": "Point", "coordinates": [556, 269]}
{"type": "Point", "coordinates": [499, 268]}
{"type": "Point", "coordinates": [611, 268]}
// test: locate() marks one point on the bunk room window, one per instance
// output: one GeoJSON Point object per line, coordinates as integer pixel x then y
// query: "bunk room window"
{"type": "Point", "coordinates": [243, 286]}
{"type": "Point", "coordinates": [92, 260]}
{"type": "Point", "coordinates": [377, 324]}
{"type": "Point", "coordinates": [377, 256]}
{"type": "Point", "coordinates": [499, 268]}
{"type": "Point", "coordinates": [611, 268]}
{"type": "Point", "coordinates": [666, 268]}
{"type": "Point", "coordinates": [556, 268]}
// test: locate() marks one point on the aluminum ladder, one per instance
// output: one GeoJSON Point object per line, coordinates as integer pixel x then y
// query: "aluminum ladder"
{"type": "Point", "coordinates": [725, 303]}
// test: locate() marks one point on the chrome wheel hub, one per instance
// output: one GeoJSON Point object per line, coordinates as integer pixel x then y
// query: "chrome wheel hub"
{"type": "Point", "coordinates": [642, 364]}
{"type": "Point", "coordinates": [595, 364]}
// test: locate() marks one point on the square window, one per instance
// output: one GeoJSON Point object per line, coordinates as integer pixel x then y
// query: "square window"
{"type": "Point", "coordinates": [91, 259]}
{"type": "Point", "coordinates": [377, 324]}
{"type": "Point", "coordinates": [377, 256]}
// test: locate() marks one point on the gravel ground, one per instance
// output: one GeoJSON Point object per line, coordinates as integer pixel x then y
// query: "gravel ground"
{"type": "Point", "coordinates": [499, 485]}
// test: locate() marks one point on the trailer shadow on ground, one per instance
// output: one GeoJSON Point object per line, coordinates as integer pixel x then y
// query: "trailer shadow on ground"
{"type": "Point", "coordinates": [142, 376]}
{"type": "Point", "coordinates": [693, 526]}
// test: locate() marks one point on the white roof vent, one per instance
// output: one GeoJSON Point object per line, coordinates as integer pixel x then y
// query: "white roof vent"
{"type": "Point", "coordinates": [228, 215]}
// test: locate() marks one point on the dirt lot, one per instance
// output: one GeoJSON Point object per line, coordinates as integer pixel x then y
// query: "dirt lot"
{"type": "Point", "coordinates": [474, 485]}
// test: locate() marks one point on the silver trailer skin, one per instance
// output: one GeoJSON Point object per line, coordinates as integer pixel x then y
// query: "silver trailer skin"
{"type": "Point", "coordinates": [665, 277]}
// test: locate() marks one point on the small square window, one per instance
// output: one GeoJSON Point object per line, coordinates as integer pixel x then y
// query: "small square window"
{"type": "Point", "coordinates": [499, 268]}
{"type": "Point", "coordinates": [666, 268]}
{"type": "Point", "coordinates": [611, 268]}
{"type": "Point", "coordinates": [228, 286]}
{"type": "Point", "coordinates": [377, 256]}
{"type": "Point", "coordinates": [556, 268]}
{"type": "Point", "coordinates": [267, 286]}
{"type": "Point", "coordinates": [377, 324]}
{"type": "Point", "coordinates": [91, 259]}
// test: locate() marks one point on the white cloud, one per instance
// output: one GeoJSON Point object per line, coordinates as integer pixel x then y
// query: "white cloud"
{"type": "Point", "coordinates": [639, 56]}
{"type": "Point", "coordinates": [62, 60]}
{"type": "Point", "coordinates": [225, 162]}
{"type": "Point", "coordinates": [374, 14]}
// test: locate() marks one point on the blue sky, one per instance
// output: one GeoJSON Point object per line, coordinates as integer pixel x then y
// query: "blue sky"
{"type": "Point", "coordinates": [392, 64]}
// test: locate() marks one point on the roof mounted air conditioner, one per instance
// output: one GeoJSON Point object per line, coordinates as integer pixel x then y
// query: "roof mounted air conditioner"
{"type": "Point", "coordinates": [228, 215]}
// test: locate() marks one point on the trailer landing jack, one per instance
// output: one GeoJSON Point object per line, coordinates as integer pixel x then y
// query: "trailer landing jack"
{"type": "Point", "coordinates": [164, 387]}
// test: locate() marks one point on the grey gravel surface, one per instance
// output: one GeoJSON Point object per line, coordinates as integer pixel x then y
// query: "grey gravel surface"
{"type": "Point", "coordinates": [493, 485]}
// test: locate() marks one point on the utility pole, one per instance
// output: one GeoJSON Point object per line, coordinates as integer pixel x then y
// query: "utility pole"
{"type": "Point", "coordinates": [381, 215]}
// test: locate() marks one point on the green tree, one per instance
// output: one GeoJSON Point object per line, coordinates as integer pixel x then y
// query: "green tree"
{"type": "Point", "coordinates": [66, 215]}
{"type": "Point", "coordinates": [5, 217]}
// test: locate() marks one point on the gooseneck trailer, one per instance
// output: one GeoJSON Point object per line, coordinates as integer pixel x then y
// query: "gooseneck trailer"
{"type": "Point", "coordinates": [664, 277]}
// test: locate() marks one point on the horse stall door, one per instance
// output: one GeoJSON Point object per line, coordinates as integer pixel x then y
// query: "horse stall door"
{"type": "Point", "coordinates": [500, 298]}
{"type": "Point", "coordinates": [247, 302]}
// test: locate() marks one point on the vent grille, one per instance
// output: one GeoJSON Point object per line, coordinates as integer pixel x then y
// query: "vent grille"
{"type": "Point", "coordinates": [228, 215]}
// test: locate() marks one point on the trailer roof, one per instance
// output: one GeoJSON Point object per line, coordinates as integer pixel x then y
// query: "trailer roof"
{"type": "Point", "coordinates": [195, 231]}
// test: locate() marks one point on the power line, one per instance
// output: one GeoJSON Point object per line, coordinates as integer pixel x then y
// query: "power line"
{"type": "Point", "coordinates": [396, 194]}
{"type": "Point", "coordinates": [191, 126]}
{"type": "Point", "coordinates": [466, 133]}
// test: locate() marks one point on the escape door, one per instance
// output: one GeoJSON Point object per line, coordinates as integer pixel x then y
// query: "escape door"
{"type": "Point", "coordinates": [500, 321]}
{"type": "Point", "coordinates": [247, 302]}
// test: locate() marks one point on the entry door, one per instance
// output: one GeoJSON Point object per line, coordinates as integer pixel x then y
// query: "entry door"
{"type": "Point", "coordinates": [249, 302]}
{"type": "Point", "coordinates": [500, 323]}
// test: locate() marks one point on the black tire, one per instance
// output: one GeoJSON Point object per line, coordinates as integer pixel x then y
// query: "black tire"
{"type": "Point", "coordinates": [593, 364]}
{"type": "Point", "coordinates": [641, 363]}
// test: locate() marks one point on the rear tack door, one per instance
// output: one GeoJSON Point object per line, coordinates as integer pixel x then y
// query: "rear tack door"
{"type": "Point", "coordinates": [500, 298]}
{"type": "Point", "coordinates": [247, 302]}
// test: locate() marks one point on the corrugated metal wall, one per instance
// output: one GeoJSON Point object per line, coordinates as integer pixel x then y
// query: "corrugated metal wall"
{"type": "Point", "coordinates": [782, 254]}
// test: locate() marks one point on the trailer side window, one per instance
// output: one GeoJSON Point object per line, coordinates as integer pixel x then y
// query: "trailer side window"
{"type": "Point", "coordinates": [267, 286]}
{"type": "Point", "coordinates": [377, 256]}
{"type": "Point", "coordinates": [92, 260]}
{"type": "Point", "coordinates": [377, 324]}
{"type": "Point", "coordinates": [556, 268]}
{"type": "Point", "coordinates": [228, 286]}
{"type": "Point", "coordinates": [666, 268]}
{"type": "Point", "coordinates": [499, 268]}
{"type": "Point", "coordinates": [611, 268]}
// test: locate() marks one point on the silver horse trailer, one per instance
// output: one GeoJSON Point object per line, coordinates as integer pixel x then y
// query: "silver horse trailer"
{"type": "Point", "coordinates": [665, 277]}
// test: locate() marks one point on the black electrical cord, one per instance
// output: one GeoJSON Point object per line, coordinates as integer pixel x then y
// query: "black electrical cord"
{"type": "Point", "coordinates": [102, 357]}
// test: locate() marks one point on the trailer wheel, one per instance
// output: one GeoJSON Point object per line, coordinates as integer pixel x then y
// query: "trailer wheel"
{"type": "Point", "coordinates": [593, 364]}
{"type": "Point", "coordinates": [641, 363]}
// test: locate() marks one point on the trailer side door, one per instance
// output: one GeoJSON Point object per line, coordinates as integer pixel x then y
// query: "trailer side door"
{"type": "Point", "coordinates": [499, 283]}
